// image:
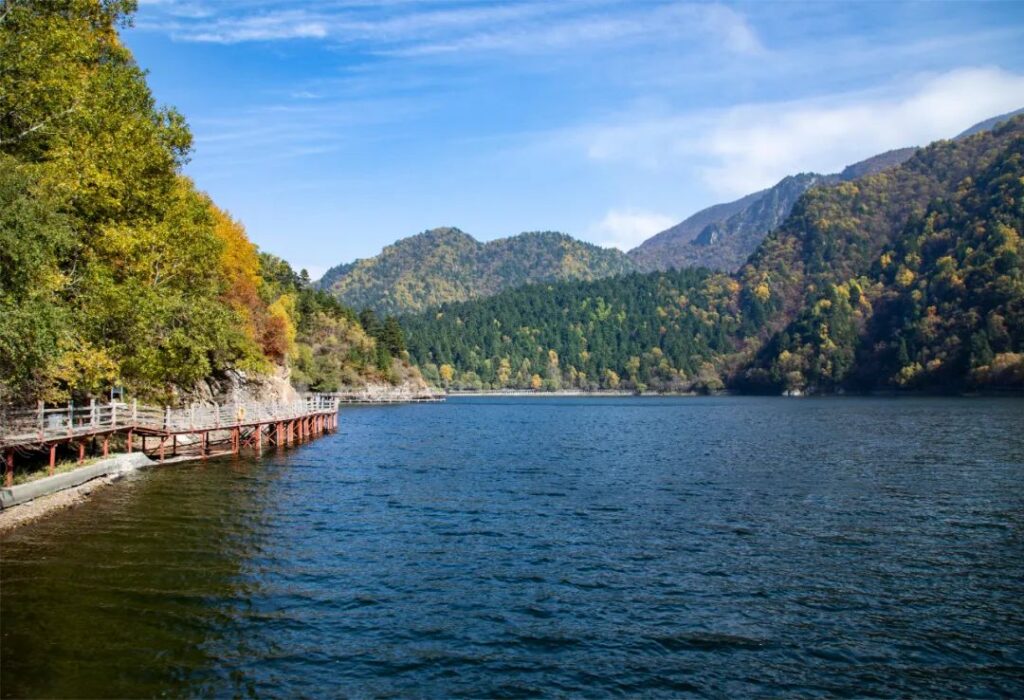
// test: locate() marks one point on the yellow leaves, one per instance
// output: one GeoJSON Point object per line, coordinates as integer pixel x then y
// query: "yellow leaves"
{"type": "Point", "coordinates": [81, 368]}
{"type": "Point", "coordinates": [1009, 239]}
{"type": "Point", "coordinates": [908, 374]}
{"type": "Point", "coordinates": [279, 336]}
{"type": "Point", "coordinates": [552, 358]}
{"type": "Point", "coordinates": [904, 277]}
{"type": "Point", "coordinates": [504, 370]}
{"type": "Point", "coordinates": [611, 379]}
{"type": "Point", "coordinates": [849, 189]}
{"type": "Point", "coordinates": [446, 372]}
{"type": "Point", "coordinates": [536, 382]}
{"type": "Point", "coordinates": [885, 260]}
{"type": "Point", "coordinates": [239, 260]}
{"type": "Point", "coordinates": [762, 292]}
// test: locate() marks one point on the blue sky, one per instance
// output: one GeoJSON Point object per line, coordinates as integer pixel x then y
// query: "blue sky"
{"type": "Point", "coordinates": [333, 128]}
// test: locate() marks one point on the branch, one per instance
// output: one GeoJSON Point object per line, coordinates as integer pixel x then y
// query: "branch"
{"type": "Point", "coordinates": [41, 124]}
{"type": "Point", "coordinates": [8, 6]}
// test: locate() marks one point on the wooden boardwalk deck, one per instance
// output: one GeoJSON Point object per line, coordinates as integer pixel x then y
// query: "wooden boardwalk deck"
{"type": "Point", "coordinates": [253, 424]}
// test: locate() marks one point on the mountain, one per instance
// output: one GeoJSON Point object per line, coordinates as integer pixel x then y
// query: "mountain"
{"type": "Point", "coordinates": [990, 123]}
{"type": "Point", "coordinates": [876, 164]}
{"type": "Point", "coordinates": [445, 264]}
{"type": "Point", "coordinates": [912, 277]}
{"type": "Point", "coordinates": [722, 237]}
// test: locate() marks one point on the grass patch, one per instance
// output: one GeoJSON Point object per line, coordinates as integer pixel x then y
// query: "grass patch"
{"type": "Point", "coordinates": [59, 468]}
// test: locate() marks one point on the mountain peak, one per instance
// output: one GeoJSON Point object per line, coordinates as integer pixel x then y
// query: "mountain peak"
{"type": "Point", "coordinates": [446, 264]}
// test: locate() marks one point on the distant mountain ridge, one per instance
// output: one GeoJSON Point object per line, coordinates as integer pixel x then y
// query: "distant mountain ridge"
{"type": "Point", "coordinates": [445, 264]}
{"type": "Point", "coordinates": [726, 234]}
{"type": "Point", "coordinates": [723, 236]}
{"type": "Point", "coordinates": [990, 123]}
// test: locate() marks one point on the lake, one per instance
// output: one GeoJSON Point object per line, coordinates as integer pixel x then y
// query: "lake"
{"type": "Point", "coordinates": [523, 547]}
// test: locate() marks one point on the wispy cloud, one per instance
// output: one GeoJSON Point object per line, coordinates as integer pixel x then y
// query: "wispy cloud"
{"type": "Point", "coordinates": [410, 29]}
{"type": "Point", "coordinates": [748, 147]}
{"type": "Point", "coordinates": [626, 229]}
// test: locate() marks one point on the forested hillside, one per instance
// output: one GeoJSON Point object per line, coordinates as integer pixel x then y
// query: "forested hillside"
{"type": "Point", "coordinates": [114, 268]}
{"type": "Point", "coordinates": [642, 331]}
{"type": "Point", "coordinates": [906, 278]}
{"type": "Point", "coordinates": [445, 264]}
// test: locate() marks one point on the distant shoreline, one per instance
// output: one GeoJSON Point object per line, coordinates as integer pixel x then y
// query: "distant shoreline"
{"type": "Point", "coordinates": [527, 393]}
{"type": "Point", "coordinates": [885, 394]}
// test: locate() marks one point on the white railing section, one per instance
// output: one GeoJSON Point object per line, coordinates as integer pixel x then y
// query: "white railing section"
{"type": "Point", "coordinates": [44, 424]}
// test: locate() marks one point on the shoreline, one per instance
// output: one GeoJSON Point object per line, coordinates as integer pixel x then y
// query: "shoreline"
{"type": "Point", "coordinates": [884, 394]}
{"type": "Point", "coordinates": [81, 483]}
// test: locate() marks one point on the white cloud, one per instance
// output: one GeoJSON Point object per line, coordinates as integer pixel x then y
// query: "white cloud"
{"type": "Point", "coordinates": [626, 229]}
{"type": "Point", "coordinates": [746, 148]}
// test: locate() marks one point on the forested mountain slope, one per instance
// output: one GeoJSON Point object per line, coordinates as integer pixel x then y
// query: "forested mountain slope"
{"type": "Point", "coordinates": [721, 237]}
{"type": "Point", "coordinates": [729, 233]}
{"type": "Point", "coordinates": [907, 278]}
{"type": "Point", "coordinates": [114, 268]}
{"type": "Point", "coordinates": [445, 264]}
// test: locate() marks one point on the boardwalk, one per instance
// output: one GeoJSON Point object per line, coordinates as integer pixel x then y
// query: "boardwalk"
{"type": "Point", "coordinates": [253, 424]}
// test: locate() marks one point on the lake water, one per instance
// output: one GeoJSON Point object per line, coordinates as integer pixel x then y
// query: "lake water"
{"type": "Point", "coordinates": [717, 547]}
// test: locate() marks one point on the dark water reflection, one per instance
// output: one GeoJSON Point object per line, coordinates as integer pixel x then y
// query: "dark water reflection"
{"type": "Point", "coordinates": [718, 547]}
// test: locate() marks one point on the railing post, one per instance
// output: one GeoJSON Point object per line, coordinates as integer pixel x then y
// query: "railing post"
{"type": "Point", "coordinates": [113, 415]}
{"type": "Point", "coordinates": [135, 411]}
{"type": "Point", "coordinates": [42, 419]}
{"type": "Point", "coordinates": [167, 425]}
{"type": "Point", "coordinates": [92, 413]}
{"type": "Point", "coordinates": [71, 417]}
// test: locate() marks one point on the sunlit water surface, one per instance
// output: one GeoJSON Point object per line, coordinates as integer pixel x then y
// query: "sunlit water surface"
{"type": "Point", "coordinates": [518, 547]}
